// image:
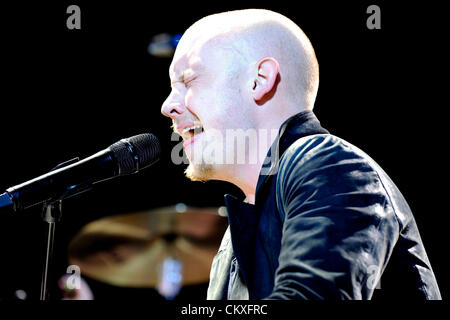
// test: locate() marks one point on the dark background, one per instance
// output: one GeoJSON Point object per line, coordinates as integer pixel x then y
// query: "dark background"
{"type": "Point", "coordinates": [68, 93]}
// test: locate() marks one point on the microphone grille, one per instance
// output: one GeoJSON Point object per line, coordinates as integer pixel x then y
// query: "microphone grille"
{"type": "Point", "coordinates": [147, 148]}
{"type": "Point", "coordinates": [136, 153]}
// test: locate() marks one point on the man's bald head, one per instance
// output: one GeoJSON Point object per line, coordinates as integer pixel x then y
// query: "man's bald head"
{"type": "Point", "coordinates": [254, 34]}
{"type": "Point", "coordinates": [238, 73]}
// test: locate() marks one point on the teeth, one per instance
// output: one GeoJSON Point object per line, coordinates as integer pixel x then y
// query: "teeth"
{"type": "Point", "coordinates": [186, 131]}
{"type": "Point", "coordinates": [190, 128]}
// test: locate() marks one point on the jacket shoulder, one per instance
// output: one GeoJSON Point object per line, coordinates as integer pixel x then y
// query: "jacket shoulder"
{"type": "Point", "coordinates": [326, 153]}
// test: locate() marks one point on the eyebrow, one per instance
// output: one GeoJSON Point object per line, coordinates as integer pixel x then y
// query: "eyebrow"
{"type": "Point", "coordinates": [177, 78]}
{"type": "Point", "coordinates": [180, 77]}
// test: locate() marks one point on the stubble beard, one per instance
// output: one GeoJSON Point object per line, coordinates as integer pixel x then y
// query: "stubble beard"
{"type": "Point", "coordinates": [201, 172]}
{"type": "Point", "coordinates": [198, 169]}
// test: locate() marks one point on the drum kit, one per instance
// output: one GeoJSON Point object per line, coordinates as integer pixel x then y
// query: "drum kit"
{"type": "Point", "coordinates": [165, 248]}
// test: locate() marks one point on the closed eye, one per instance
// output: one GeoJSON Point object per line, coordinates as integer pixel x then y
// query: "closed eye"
{"type": "Point", "coordinates": [188, 83]}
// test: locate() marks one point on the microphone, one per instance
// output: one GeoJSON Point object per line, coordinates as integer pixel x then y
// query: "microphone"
{"type": "Point", "coordinates": [124, 157]}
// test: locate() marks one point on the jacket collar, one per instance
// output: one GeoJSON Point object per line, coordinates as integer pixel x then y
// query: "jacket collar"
{"type": "Point", "coordinates": [299, 125]}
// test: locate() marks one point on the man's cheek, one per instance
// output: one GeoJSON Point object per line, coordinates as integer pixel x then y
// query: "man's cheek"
{"type": "Point", "coordinates": [188, 99]}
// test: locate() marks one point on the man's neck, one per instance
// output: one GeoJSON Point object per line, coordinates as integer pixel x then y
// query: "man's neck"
{"type": "Point", "coordinates": [248, 180]}
{"type": "Point", "coordinates": [245, 177]}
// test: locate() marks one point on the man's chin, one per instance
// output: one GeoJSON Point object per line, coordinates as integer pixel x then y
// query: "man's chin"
{"type": "Point", "coordinates": [201, 172]}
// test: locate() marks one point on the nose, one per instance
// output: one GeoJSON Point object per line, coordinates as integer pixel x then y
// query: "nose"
{"type": "Point", "coordinates": [172, 110]}
{"type": "Point", "coordinates": [172, 107]}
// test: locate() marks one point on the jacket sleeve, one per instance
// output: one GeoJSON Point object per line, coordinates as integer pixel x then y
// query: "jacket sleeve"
{"type": "Point", "coordinates": [339, 228]}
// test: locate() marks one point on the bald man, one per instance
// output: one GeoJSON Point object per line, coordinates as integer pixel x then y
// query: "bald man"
{"type": "Point", "coordinates": [320, 219]}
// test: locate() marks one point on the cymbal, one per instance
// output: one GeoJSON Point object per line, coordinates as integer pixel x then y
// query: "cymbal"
{"type": "Point", "coordinates": [128, 250]}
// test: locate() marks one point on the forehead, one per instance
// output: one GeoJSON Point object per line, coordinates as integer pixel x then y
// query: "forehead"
{"type": "Point", "coordinates": [194, 56]}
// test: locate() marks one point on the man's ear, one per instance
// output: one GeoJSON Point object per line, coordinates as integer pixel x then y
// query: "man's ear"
{"type": "Point", "coordinates": [265, 81]}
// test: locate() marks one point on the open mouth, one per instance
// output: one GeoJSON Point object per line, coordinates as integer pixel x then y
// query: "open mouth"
{"type": "Point", "coordinates": [190, 132]}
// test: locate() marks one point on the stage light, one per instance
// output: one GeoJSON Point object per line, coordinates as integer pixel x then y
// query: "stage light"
{"type": "Point", "coordinates": [163, 45]}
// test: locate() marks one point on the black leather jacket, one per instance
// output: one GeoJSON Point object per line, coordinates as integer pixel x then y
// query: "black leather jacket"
{"type": "Point", "coordinates": [327, 223]}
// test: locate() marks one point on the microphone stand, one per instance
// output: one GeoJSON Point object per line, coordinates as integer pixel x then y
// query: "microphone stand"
{"type": "Point", "coordinates": [51, 214]}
